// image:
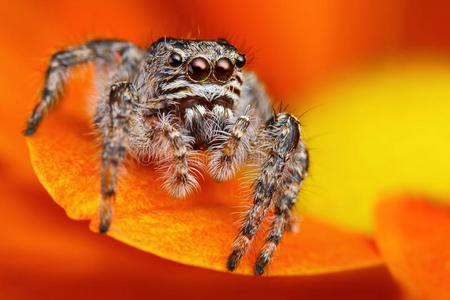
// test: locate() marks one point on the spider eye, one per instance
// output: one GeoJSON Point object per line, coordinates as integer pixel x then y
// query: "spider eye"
{"type": "Point", "coordinates": [198, 69]}
{"type": "Point", "coordinates": [224, 69]}
{"type": "Point", "coordinates": [240, 61]}
{"type": "Point", "coordinates": [175, 60]}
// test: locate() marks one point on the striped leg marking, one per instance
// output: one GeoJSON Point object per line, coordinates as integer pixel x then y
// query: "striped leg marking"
{"type": "Point", "coordinates": [58, 71]}
{"type": "Point", "coordinates": [285, 201]}
{"type": "Point", "coordinates": [283, 134]}
{"type": "Point", "coordinates": [114, 147]}
{"type": "Point", "coordinates": [233, 150]}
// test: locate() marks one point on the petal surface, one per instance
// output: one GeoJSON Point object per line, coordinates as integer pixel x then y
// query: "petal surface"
{"type": "Point", "coordinates": [413, 237]}
{"type": "Point", "coordinates": [381, 130]}
{"type": "Point", "coordinates": [198, 230]}
{"type": "Point", "coordinates": [45, 255]}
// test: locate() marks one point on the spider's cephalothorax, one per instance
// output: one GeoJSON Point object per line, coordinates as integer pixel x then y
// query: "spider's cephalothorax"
{"type": "Point", "coordinates": [177, 98]}
{"type": "Point", "coordinates": [199, 82]}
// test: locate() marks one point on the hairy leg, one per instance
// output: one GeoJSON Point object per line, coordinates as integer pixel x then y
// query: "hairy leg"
{"type": "Point", "coordinates": [297, 168]}
{"type": "Point", "coordinates": [60, 64]}
{"type": "Point", "coordinates": [115, 134]}
{"type": "Point", "coordinates": [280, 136]}
{"type": "Point", "coordinates": [173, 150]}
{"type": "Point", "coordinates": [233, 147]}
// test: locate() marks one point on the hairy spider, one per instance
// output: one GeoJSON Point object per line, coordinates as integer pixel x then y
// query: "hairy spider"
{"type": "Point", "coordinates": [177, 98]}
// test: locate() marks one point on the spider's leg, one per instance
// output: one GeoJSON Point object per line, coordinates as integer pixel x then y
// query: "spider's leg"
{"type": "Point", "coordinates": [174, 150]}
{"type": "Point", "coordinates": [254, 93]}
{"type": "Point", "coordinates": [297, 168]}
{"type": "Point", "coordinates": [233, 147]}
{"type": "Point", "coordinates": [115, 134]}
{"type": "Point", "coordinates": [59, 67]}
{"type": "Point", "coordinates": [281, 135]}
{"type": "Point", "coordinates": [254, 106]}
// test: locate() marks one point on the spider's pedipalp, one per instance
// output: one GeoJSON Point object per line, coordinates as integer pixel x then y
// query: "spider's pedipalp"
{"type": "Point", "coordinates": [283, 134]}
{"type": "Point", "coordinates": [58, 70]}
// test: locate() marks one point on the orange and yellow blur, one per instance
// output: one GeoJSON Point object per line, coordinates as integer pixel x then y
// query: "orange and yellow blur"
{"type": "Point", "coordinates": [374, 77]}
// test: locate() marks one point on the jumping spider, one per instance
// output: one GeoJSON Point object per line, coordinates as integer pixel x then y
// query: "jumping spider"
{"type": "Point", "coordinates": [180, 97]}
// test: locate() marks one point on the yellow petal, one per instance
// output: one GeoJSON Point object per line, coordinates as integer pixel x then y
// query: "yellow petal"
{"type": "Point", "coordinates": [387, 130]}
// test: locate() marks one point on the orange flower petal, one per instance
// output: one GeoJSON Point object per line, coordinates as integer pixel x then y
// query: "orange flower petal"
{"type": "Point", "coordinates": [413, 238]}
{"type": "Point", "coordinates": [43, 253]}
{"type": "Point", "coordinates": [426, 25]}
{"type": "Point", "coordinates": [296, 45]}
{"type": "Point", "coordinates": [198, 230]}
{"type": "Point", "coordinates": [32, 30]}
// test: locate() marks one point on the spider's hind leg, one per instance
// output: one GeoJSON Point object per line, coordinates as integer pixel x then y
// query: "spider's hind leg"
{"type": "Point", "coordinates": [281, 140]}
{"type": "Point", "coordinates": [60, 64]}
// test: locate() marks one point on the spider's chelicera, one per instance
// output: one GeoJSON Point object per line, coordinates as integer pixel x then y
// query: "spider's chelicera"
{"type": "Point", "coordinates": [175, 99]}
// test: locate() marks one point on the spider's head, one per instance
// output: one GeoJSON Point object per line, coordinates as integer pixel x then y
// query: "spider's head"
{"type": "Point", "coordinates": [195, 75]}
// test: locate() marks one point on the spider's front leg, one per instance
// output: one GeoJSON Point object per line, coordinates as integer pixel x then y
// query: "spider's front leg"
{"type": "Point", "coordinates": [233, 147]}
{"type": "Point", "coordinates": [284, 166]}
{"type": "Point", "coordinates": [115, 131]}
{"type": "Point", "coordinates": [175, 149]}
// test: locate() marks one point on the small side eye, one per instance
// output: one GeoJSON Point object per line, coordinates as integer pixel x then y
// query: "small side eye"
{"type": "Point", "coordinates": [175, 60]}
{"type": "Point", "coordinates": [240, 61]}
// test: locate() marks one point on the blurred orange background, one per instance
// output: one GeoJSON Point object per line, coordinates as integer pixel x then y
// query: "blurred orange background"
{"type": "Point", "coordinates": [295, 46]}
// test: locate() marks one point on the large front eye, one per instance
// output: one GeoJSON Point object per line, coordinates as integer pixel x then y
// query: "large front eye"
{"type": "Point", "coordinates": [175, 60]}
{"type": "Point", "coordinates": [224, 69]}
{"type": "Point", "coordinates": [198, 69]}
